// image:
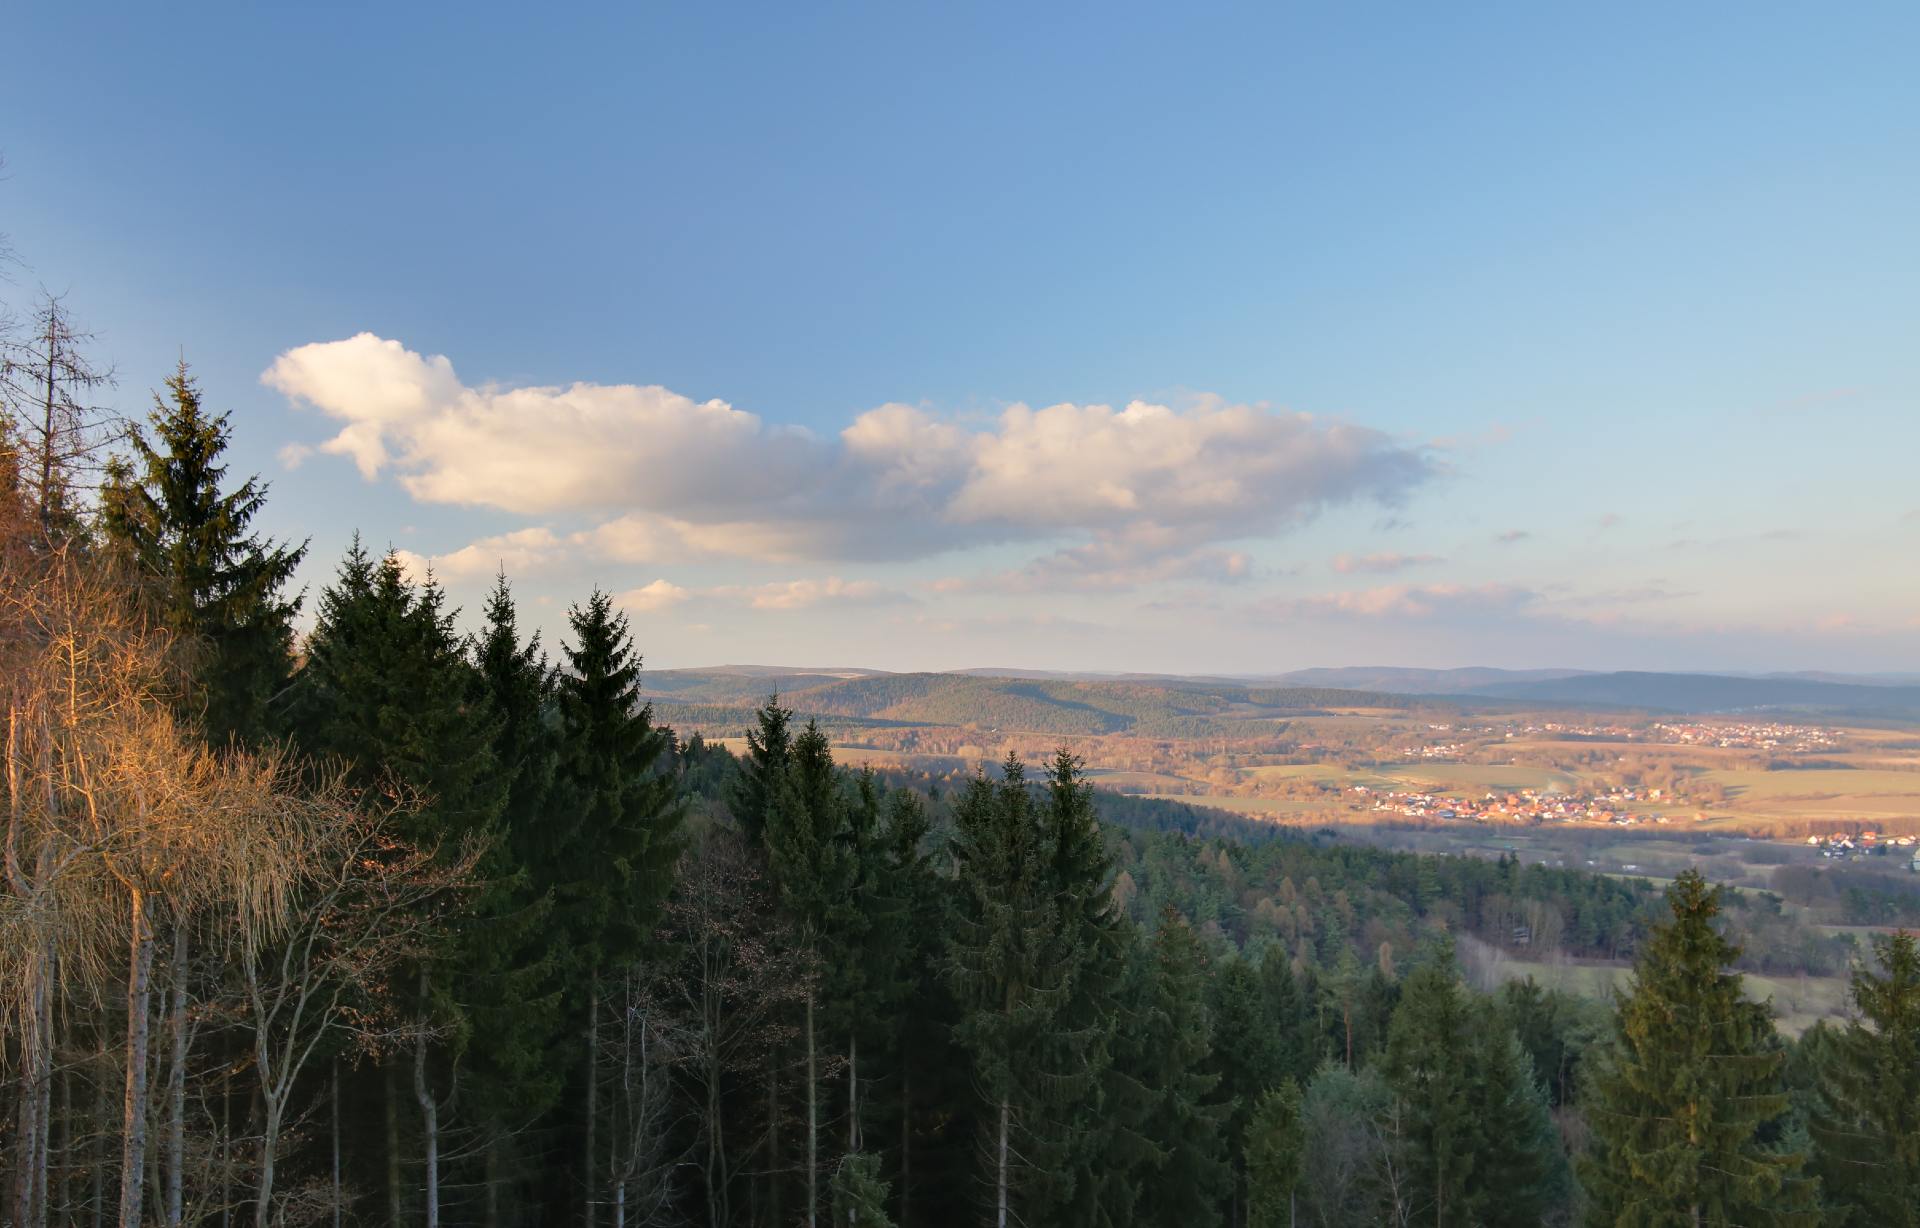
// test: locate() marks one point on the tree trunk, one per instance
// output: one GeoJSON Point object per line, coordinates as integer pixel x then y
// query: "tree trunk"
{"type": "Point", "coordinates": [133, 1121]}
{"type": "Point", "coordinates": [334, 1072]}
{"type": "Point", "coordinates": [813, 1118]}
{"type": "Point", "coordinates": [394, 1211]}
{"type": "Point", "coordinates": [490, 1215]}
{"type": "Point", "coordinates": [587, 1216]}
{"type": "Point", "coordinates": [31, 1136]}
{"type": "Point", "coordinates": [177, 1081]}
{"type": "Point", "coordinates": [429, 1110]}
{"type": "Point", "coordinates": [269, 1151]}
{"type": "Point", "coordinates": [1000, 1167]}
{"type": "Point", "coordinates": [773, 1140]}
{"type": "Point", "coordinates": [853, 1094]}
{"type": "Point", "coordinates": [906, 1147]}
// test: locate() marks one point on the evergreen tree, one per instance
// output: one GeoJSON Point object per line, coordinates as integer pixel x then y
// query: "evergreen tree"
{"type": "Point", "coordinates": [1866, 1126]}
{"type": "Point", "coordinates": [1248, 1059]}
{"type": "Point", "coordinates": [1520, 1172]}
{"type": "Point", "coordinates": [1427, 1066]}
{"type": "Point", "coordinates": [1011, 967]}
{"type": "Point", "coordinates": [816, 867]}
{"type": "Point", "coordinates": [769, 752]}
{"type": "Point", "coordinates": [610, 839]}
{"type": "Point", "coordinates": [216, 585]}
{"type": "Point", "coordinates": [1275, 1150]}
{"type": "Point", "coordinates": [1184, 1120]}
{"type": "Point", "coordinates": [1678, 1108]}
{"type": "Point", "coordinates": [511, 982]}
{"type": "Point", "coordinates": [859, 1193]}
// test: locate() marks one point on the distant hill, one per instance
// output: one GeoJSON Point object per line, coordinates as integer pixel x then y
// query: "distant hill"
{"type": "Point", "coordinates": [1161, 708]}
{"type": "Point", "coordinates": [1712, 693]}
{"type": "Point", "coordinates": [1407, 681]}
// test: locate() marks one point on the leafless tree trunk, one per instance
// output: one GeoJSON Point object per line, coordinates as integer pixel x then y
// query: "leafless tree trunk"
{"type": "Point", "coordinates": [177, 1080]}
{"type": "Point", "coordinates": [429, 1109]}
{"type": "Point", "coordinates": [1001, 1160]}
{"type": "Point", "coordinates": [390, 1086]}
{"type": "Point", "coordinates": [813, 1118]}
{"type": "Point", "coordinates": [133, 1121]}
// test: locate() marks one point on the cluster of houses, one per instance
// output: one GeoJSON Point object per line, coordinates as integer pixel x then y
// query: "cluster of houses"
{"type": "Point", "coordinates": [1525, 806]}
{"type": "Point", "coordinates": [1750, 735]}
{"type": "Point", "coordinates": [1842, 847]}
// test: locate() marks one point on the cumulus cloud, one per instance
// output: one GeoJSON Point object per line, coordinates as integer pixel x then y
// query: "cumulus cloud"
{"type": "Point", "coordinates": [657, 476]}
{"type": "Point", "coordinates": [518, 552]}
{"type": "Point", "coordinates": [659, 595]}
{"type": "Point", "coordinates": [1380, 564]}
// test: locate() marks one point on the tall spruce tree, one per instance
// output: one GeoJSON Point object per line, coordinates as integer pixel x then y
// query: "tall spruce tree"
{"type": "Point", "coordinates": [1678, 1108]}
{"type": "Point", "coordinates": [510, 979]}
{"type": "Point", "coordinates": [1428, 1068]}
{"type": "Point", "coordinates": [1866, 1126]}
{"type": "Point", "coordinates": [1186, 1117]}
{"type": "Point", "coordinates": [609, 843]}
{"type": "Point", "coordinates": [1011, 964]}
{"type": "Point", "coordinates": [215, 584]}
{"type": "Point", "coordinates": [389, 695]}
{"type": "Point", "coordinates": [1276, 1141]}
{"type": "Point", "coordinates": [1247, 1058]}
{"type": "Point", "coordinates": [816, 868]}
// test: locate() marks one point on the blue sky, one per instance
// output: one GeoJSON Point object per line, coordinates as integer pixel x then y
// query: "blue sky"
{"type": "Point", "coordinates": [1603, 323]}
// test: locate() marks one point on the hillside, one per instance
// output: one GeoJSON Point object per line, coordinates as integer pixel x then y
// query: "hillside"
{"type": "Point", "coordinates": [1712, 693]}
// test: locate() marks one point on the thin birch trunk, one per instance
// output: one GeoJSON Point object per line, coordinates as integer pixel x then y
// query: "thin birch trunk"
{"type": "Point", "coordinates": [853, 1094]}
{"type": "Point", "coordinates": [133, 1147]}
{"type": "Point", "coordinates": [177, 1081]}
{"type": "Point", "coordinates": [429, 1110]}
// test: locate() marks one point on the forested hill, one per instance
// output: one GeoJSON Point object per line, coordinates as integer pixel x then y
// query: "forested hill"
{"type": "Point", "coordinates": [718, 700]}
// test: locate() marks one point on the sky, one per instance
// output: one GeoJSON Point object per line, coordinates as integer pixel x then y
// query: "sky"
{"type": "Point", "coordinates": [1175, 338]}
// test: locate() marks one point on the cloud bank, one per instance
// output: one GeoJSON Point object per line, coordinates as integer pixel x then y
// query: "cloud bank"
{"type": "Point", "coordinates": [646, 475]}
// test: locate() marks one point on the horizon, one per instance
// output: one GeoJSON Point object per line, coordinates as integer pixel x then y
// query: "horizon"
{"type": "Point", "coordinates": [1532, 340]}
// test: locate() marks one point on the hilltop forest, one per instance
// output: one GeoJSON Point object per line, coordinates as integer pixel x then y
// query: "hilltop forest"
{"type": "Point", "coordinates": [398, 923]}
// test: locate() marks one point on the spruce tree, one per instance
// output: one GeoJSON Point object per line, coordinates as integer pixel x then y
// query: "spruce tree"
{"type": "Point", "coordinates": [1248, 1059]}
{"type": "Point", "coordinates": [1866, 1126]}
{"type": "Point", "coordinates": [1185, 1117]}
{"type": "Point", "coordinates": [815, 869]}
{"type": "Point", "coordinates": [510, 980]}
{"type": "Point", "coordinates": [1427, 1066]}
{"type": "Point", "coordinates": [216, 585]}
{"type": "Point", "coordinates": [1276, 1146]}
{"type": "Point", "coordinates": [610, 838]}
{"type": "Point", "coordinates": [762, 769]}
{"type": "Point", "coordinates": [1678, 1107]}
{"type": "Point", "coordinates": [1011, 964]}
{"type": "Point", "coordinates": [1520, 1172]}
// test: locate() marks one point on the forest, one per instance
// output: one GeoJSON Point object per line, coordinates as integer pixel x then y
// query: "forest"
{"type": "Point", "coordinates": [343, 914]}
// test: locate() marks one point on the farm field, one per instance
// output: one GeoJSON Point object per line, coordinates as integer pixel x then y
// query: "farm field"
{"type": "Point", "coordinates": [1799, 1002]}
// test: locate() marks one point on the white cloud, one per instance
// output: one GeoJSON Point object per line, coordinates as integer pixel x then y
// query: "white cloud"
{"type": "Point", "coordinates": [1409, 602]}
{"type": "Point", "coordinates": [659, 595]}
{"type": "Point", "coordinates": [518, 552]}
{"type": "Point", "coordinates": [657, 476]}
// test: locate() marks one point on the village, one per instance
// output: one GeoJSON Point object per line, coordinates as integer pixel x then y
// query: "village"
{"type": "Point", "coordinates": [1522, 806]}
{"type": "Point", "coordinates": [1865, 844]}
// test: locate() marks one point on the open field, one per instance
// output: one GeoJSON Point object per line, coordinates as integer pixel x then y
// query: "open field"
{"type": "Point", "coordinates": [1799, 1002]}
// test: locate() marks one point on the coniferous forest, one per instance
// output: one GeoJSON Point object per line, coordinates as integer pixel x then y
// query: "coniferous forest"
{"type": "Point", "coordinates": [349, 907]}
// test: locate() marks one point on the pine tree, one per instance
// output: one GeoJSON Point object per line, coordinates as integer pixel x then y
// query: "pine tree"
{"type": "Point", "coordinates": [1678, 1108]}
{"type": "Point", "coordinates": [1185, 1119]}
{"type": "Point", "coordinates": [1011, 967]}
{"type": "Point", "coordinates": [1248, 1059]}
{"type": "Point", "coordinates": [769, 752]}
{"type": "Point", "coordinates": [1866, 1126]}
{"type": "Point", "coordinates": [1275, 1151]}
{"type": "Point", "coordinates": [216, 585]}
{"type": "Point", "coordinates": [510, 980]}
{"type": "Point", "coordinates": [611, 837]}
{"type": "Point", "coordinates": [1427, 1066]}
{"type": "Point", "coordinates": [816, 868]}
